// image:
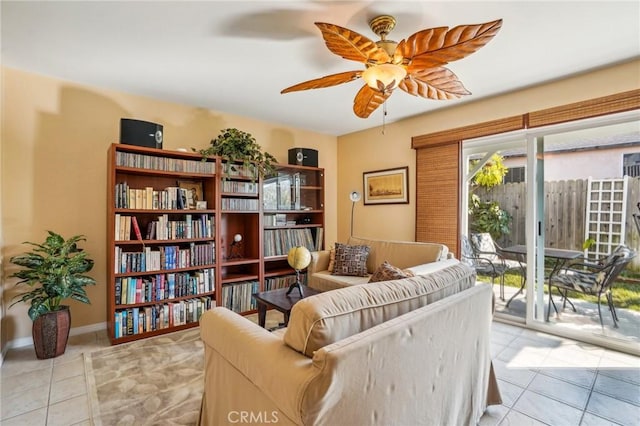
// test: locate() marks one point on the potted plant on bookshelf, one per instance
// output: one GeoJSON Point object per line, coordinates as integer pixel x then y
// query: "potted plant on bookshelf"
{"type": "Point", "coordinates": [234, 145]}
{"type": "Point", "coordinates": [55, 271]}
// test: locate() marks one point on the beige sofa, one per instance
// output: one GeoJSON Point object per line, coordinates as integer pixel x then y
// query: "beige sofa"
{"type": "Point", "coordinates": [404, 352]}
{"type": "Point", "coordinates": [402, 254]}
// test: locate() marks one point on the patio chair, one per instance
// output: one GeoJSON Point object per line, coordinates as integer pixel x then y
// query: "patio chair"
{"type": "Point", "coordinates": [593, 278]}
{"type": "Point", "coordinates": [485, 247]}
{"type": "Point", "coordinates": [482, 265]}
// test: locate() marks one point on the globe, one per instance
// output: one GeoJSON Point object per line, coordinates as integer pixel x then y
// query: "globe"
{"type": "Point", "coordinates": [299, 257]}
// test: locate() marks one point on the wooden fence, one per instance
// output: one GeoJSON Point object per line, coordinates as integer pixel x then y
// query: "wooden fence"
{"type": "Point", "coordinates": [565, 213]}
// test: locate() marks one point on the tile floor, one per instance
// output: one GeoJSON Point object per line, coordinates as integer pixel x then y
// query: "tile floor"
{"type": "Point", "coordinates": [544, 380]}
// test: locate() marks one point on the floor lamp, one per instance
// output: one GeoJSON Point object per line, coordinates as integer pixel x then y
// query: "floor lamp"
{"type": "Point", "coordinates": [354, 197]}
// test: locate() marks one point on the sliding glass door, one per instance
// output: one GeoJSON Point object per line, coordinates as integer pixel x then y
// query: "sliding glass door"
{"type": "Point", "coordinates": [569, 192]}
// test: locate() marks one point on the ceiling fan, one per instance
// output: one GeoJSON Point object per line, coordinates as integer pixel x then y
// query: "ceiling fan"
{"type": "Point", "coordinates": [415, 65]}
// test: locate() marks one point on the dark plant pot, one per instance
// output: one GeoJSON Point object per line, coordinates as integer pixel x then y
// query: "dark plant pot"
{"type": "Point", "coordinates": [50, 333]}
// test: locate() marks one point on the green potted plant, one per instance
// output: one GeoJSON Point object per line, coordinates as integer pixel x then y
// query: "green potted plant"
{"type": "Point", "coordinates": [55, 271]}
{"type": "Point", "coordinates": [234, 145]}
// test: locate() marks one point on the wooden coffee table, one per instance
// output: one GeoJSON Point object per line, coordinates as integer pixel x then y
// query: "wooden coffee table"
{"type": "Point", "coordinates": [278, 300]}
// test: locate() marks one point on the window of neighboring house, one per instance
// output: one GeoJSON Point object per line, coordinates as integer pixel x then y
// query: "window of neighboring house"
{"type": "Point", "coordinates": [515, 175]}
{"type": "Point", "coordinates": [631, 164]}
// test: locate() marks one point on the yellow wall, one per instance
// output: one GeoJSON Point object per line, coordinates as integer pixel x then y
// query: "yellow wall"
{"type": "Point", "coordinates": [371, 150]}
{"type": "Point", "coordinates": [55, 136]}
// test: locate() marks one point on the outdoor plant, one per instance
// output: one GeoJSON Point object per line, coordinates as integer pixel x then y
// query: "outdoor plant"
{"type": "Point", "coordinates": [55, 271]}
{"type": "Point", "coordinates": [487, 216]}
{"type": "Point", "coordinates": [234, 145]}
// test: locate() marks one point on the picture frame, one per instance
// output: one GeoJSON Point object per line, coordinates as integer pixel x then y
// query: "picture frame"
{"type": "Point", "coordinates": [193, 192]}
{"type": "Point", "coordinates": [389, 186]}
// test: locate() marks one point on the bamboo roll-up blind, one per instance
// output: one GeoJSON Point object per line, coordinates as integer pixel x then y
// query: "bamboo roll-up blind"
{"type": "Point", "coordinates": [437, 195]}
{"type": "Point", "coordinates": [477, 130]}
{"type": "Point", "coordinates": [620, 102]}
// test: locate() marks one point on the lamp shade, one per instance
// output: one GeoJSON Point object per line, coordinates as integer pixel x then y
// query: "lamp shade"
{"type": "Point", "coordinates": [299, 257]}
{"type": "Point", "coordinates": [384, 76]}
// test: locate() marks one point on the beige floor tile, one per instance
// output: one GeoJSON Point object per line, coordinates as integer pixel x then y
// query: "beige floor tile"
{"type": "Point", "coordinates": [626, 374]}
{"type": "Point", "coordinates": [562, 391]}
{"type": "Point", "coordinates": [547, 410]}
{"type": "Point", "coordinates": [509, 392]}
{"type": "Point", "coordinates": [618, 389]}
{"type": "Point", "coordinates": [18, 403]}
{"type": "Point", "coordinates": [68, 388]}
{"type": "Point", "coordinates": [522, 358]}
{"type": "Point", "coordinates": [520, 376]}
{"type": "Point", "coordinates": [68, 356]}
{"type": "Point", "coordinates": [618, 359]}
{"type": "Point", "coordinates": [68, 412]}
{"type": "Point", "coordinates": [25, 381]}
{"type": "Point", "coordinates": [577, 376]}
{"type": "Point", "coordinates": [69, 369]}
{"type": "Point", "coordinates": [613, 409]}
{"type": "Point", "coordinates": [493, 415]}
{"type": "Point", "coordinates": [32, 418]}
{"type": "Point", "coordinates": [23, 360]}
{"type": "Point", "coordinates": [590, 420]}
{"type": "Point", "coordinates": [515, 418]}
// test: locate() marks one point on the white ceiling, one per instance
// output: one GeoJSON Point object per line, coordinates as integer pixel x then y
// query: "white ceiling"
{"type": "Point", "coordinates": [237, 56]}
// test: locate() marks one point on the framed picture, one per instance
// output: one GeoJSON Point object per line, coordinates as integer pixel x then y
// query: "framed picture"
{"type": "Point", "coordinates": [389, 186]}
{"type": "Point", "coordinates": [192, 192]}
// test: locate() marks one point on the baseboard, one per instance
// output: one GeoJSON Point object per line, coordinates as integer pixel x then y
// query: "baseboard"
{"type": "Point", "coordinates": [28, 341]}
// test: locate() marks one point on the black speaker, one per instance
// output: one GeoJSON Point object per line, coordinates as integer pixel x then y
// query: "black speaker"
{"type": "Point", "coordinates": [303, 157]}
{"type": "Point", "coordinates": [140, 133]}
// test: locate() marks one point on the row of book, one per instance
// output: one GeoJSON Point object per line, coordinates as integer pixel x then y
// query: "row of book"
{"type": "Point", "coordinates": [130, 290]}
{"type": "Point", "coordinates": [238, 296]}
{"type": "Point", "coordinates": [128, 228]}
{"type": "Point", "coordinates": [239, 170]}
{"type": "Point", "coordinates": [283, 281]}
{"type": "Point", "coordinates": [142, 161]}
{"type": "Point", "coordinates": [278, 242]}
{"type": "Point", "coordinates": [279, 219]}
{"type": "Point", "coordinates": [148, 198]}
{"type": "Point", "coordinates": [145, 319]}
{"type": "Point", "coordinates": [164, 257]}
{"type": "Point", "coordinates": [239, 204]}
{"type": "Point", "coordinates": [240, 187]}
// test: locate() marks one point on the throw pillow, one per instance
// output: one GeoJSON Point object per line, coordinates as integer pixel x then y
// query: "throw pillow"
{"type": "Point", "coordinates": [332, 259]}
{"type": "Point", "coordinates": [388, 272]}
{"type": "Point", "coordinates": [351, 260]}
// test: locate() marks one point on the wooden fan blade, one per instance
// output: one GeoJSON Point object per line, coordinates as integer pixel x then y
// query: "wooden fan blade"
{"type": "Point", "coordinates": [351, 45]}
{"type": "Point", "coordinates": [421, 42]}
{"type": "Point", "coordinates": [326, 81]}
{"type": "Point", "coordinates": [368, 100]}
{"type": "Point", "coordinates": [457, 43]}
{"type": "Point", "coordinates": [434, 83]}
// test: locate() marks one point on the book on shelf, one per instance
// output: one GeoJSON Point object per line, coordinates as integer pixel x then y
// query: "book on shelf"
{"type": "Point", "coordinates": [136, 228]}
{"type": "Point", "coordinates": [278, 242]}
{"type": "Point", "coordinates": [156, 288]}
{"type": "Point", "coordinates": [154, 162]}
{"type": "Point", "coordinates": [238, 296]}
{"type": "Point", "coordinates": [284, 281]}
{"type": "Point", "coordinates": [138, 320]}
{"type": "Point", "coordinates": [148, 198]}
{"type": "Point", "coordinates": [240, 204]}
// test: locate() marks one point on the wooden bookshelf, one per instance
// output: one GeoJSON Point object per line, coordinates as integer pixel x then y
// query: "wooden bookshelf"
{"type": "Point", "coordinates": [162, 252]}
{"type": "Point", "coordinates": [187, 260]}
{"type": "Point", "coordinates": [293, 214]}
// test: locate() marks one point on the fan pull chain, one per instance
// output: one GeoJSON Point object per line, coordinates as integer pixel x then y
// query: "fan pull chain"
{"type": "Point", "coordinates": [384, 115]}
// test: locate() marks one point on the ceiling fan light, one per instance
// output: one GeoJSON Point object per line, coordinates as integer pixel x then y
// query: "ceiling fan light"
{"type": "Point", "coordinates": [385, 75]}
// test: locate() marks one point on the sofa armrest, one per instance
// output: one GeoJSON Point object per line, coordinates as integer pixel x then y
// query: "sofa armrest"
{"type": "Point", "coordinates": [259, 359]}
{"type": "Point", "coordinates": [319, 261]}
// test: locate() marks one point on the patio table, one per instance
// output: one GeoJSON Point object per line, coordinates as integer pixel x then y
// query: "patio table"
{"type": "Point", "coordinates": [561, 256]}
